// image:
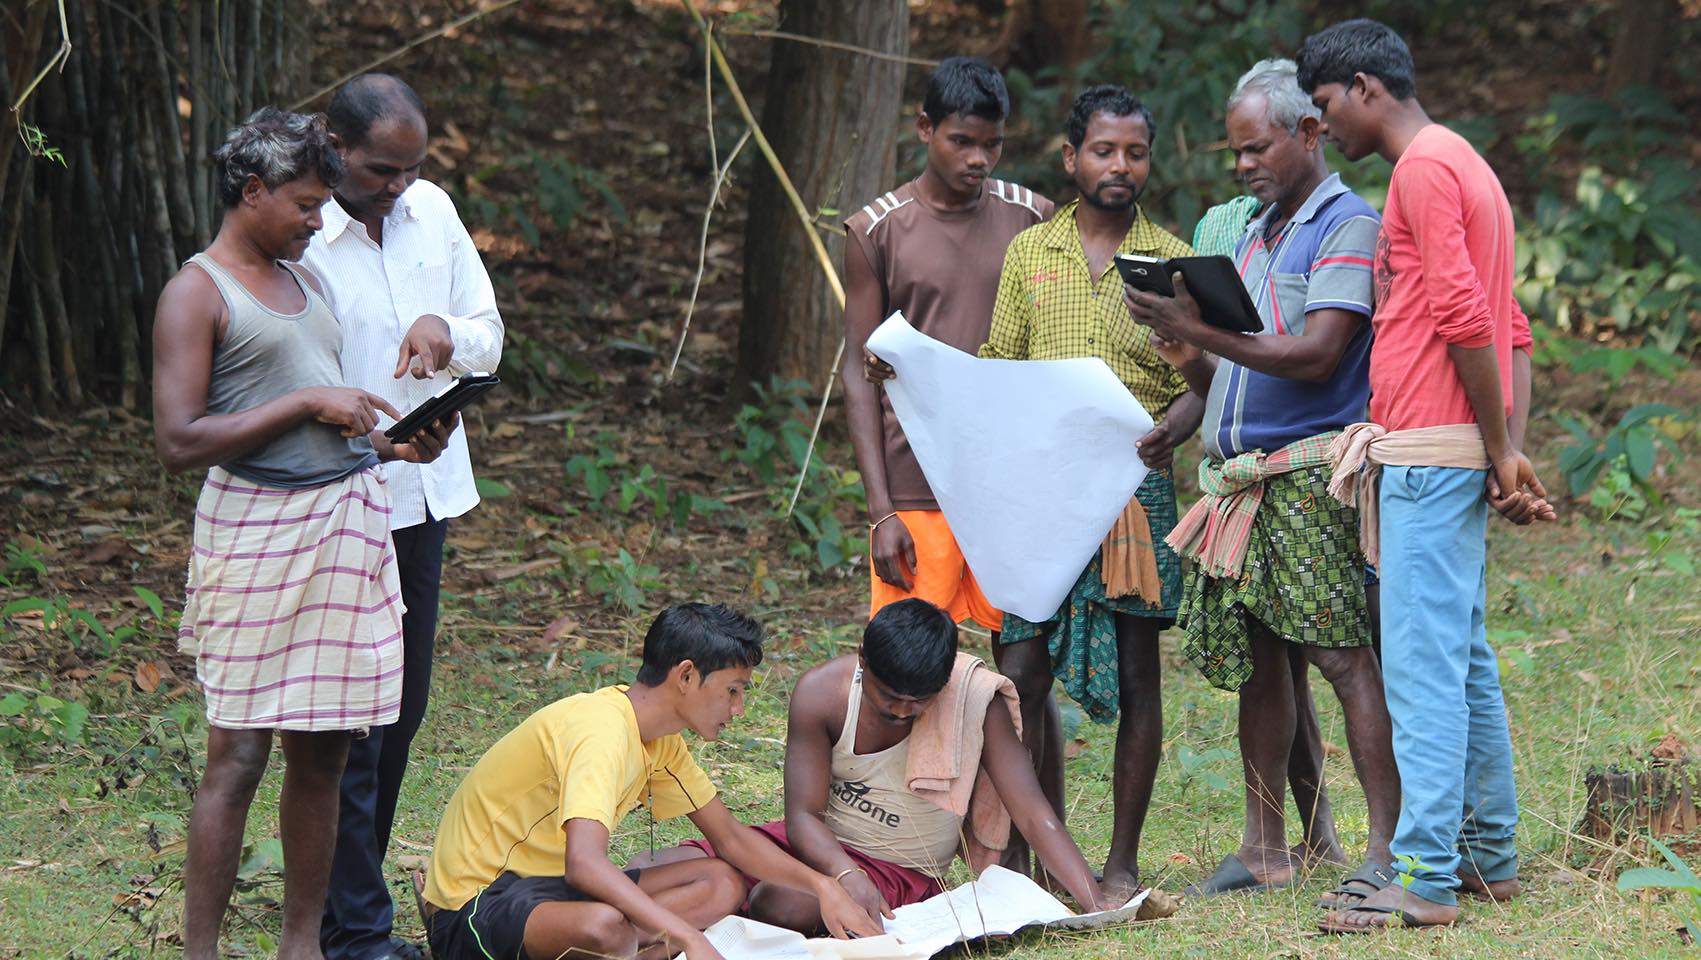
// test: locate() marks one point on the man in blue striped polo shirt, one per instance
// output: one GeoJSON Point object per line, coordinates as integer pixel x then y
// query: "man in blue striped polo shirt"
{"type": "Point", "coordinates": [1277, 578]}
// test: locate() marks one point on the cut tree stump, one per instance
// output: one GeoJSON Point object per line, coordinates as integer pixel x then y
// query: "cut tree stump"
{"type": "Point", "coordinates": [1658, 800]}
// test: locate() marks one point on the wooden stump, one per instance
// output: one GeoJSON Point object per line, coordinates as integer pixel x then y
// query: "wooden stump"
{"type": "Point", "coordinates": [1658, 800]}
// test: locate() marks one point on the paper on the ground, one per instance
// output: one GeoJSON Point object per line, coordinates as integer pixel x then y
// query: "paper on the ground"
{"type": "Point", "coordinates": [1031, 460]}
{"type": "Point", "coordinates": [1001, 902]}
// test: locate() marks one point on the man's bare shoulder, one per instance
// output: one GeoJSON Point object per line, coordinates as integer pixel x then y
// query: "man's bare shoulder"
{"type": "Point", "coordinates": [819, 694]}
{"type": "Point", "coordinates": [190, 295]}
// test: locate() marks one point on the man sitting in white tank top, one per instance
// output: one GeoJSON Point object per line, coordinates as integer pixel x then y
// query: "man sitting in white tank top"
{"type": "Point", "coordinates": [858, 803]}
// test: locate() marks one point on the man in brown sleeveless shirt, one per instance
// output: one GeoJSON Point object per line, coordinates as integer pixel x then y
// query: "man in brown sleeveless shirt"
{"type": "Point", "coordinates": [932, 248]}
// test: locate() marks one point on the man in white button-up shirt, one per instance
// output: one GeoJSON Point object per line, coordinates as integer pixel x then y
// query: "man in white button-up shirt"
{"type": "Point", "coordinates": [417, 308]}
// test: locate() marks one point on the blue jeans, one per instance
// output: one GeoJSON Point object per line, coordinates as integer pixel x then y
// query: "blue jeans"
{"type": "Point", "coordinates": [1459, 808]}
{"type": "Point", "coordinates": [358, 909]}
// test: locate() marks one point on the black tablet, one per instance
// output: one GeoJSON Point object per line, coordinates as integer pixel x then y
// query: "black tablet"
{"type": "Point", "coordinates": [1213, 281]}
{"type": "Point", "coordinates": [1145, 273]}
{"type": "Point", "coordinates": [463, 391]}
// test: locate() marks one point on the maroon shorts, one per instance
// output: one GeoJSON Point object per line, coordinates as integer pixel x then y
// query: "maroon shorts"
{"type": "Point", "coordinates": [900, 886]}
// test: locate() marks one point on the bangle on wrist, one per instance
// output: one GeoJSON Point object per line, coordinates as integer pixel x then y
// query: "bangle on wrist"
{"type": "Point", "coordinates": [880, 521]}
{"type": "Point", "coordinates": [842, 874]}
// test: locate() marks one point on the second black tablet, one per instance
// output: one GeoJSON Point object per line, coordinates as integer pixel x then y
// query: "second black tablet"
{"type": "Point", "coordinates": [464, 391]}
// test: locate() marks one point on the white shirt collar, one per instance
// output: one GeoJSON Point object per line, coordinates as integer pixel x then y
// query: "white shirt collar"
{"type": "Point", "coordinates": [336, 219]}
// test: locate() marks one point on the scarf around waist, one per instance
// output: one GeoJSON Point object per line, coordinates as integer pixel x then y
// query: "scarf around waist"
{"type": "Point", "coordinates": [1362, 449]}
{"type": "Point", "coordinates": [1216, 530]}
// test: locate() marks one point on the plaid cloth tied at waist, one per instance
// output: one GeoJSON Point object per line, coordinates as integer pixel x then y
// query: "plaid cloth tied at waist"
{"type": "Point", "coordinates": [1215, 531]}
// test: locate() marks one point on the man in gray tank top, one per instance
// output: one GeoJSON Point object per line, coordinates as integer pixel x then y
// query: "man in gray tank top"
{"type": "Point", "coordinates": [292, 607]}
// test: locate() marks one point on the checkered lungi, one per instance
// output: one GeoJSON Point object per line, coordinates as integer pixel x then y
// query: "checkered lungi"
{"type": "Point", "coordinates": [293, 608]}
{"type": "Point", "coordinates": [1302, 577]}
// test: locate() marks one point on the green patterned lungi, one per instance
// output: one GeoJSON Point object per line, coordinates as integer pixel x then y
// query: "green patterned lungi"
{"type": "Point", "coordinates": [1303, 577]}
{"type": "Point", "coordinates": [1082, 634]}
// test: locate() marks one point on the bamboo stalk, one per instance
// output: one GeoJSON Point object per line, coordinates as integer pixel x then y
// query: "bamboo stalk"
{"type": "Point", "coordinates": [82, 195]}
{"type": "Point", "coordinates": [833, 45]}
{"type": "Point", "coordinates": [41, 360]}
{"type": "Point", "coordinates": [57, 59]}
{"type": "Point", "coordinates": [200, 180]}
{"type": "Point", "coordinates": [227, 72]}
{"type": "Point", "coordinates": [9, 215]}
{"type": "Point", "coordinates": [50, 298]}
{"type": "Point", "coordinates": [250, 51]}
{"type": "Point", "coordinates": [158, 242]}
{"type": "Point", "coordinates": [35, 29]}
{"type": "Point", "coordinates": [703, 248]}
{"type": "Point", "coordinates": [767, 149]}
{"type": "Point", "coordinates": [11, 223]}
{"type": "Point", "coordinates": [182, 209]}
{"type": "Point", "coordinates": [123, 196]}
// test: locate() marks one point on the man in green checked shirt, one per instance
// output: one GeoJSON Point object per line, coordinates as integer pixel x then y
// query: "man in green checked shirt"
{"type": "Point", "coordinates": [1060, 296]}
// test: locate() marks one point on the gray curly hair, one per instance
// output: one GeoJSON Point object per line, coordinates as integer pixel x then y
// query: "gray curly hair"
{"type": "Point", "coordinates": [277, 146]}
{"type": "Point", "coordinates": [1278, 82]}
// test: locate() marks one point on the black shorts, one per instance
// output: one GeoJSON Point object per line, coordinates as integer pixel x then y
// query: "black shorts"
{"type": "Point", "coordinates": [492, 925]}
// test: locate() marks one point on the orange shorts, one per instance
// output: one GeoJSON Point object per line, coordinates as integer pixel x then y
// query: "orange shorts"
{"type": "Point", "coordinates": [942, 576]}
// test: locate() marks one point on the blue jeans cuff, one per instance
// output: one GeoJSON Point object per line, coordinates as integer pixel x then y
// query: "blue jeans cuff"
{"type": "Point", "coordinates": [1490, 863]}
{"type": "Point", "coordinates": [1435, 890]}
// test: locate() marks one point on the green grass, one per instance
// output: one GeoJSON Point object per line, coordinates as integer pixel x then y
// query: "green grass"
{"type": "Point", "coordinates": [1598, 647]}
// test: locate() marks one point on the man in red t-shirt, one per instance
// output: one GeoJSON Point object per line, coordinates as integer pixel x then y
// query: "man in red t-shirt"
{"type": "Point", "coordinates": [1450, 387]}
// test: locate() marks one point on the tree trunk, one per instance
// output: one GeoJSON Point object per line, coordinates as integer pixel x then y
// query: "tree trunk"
{"type": "Point", "coordinates": [829, 115]}
{"type": "Point", "coordinates": [1641, 29]}
{"type": "Point", "coordinates": [1040, 34]}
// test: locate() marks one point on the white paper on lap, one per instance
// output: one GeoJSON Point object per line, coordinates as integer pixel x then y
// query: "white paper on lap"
{"type": "Point", "coordinates": [1031, 460]}
{"type": "Point", "coordinates": [1001, 902]}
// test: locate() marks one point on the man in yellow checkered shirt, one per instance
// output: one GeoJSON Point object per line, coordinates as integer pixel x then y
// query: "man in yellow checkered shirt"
{"type": "Point", "coordinates": [1060, 296]}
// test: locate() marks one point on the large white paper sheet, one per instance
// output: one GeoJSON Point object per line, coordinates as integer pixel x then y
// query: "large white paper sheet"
{"type": "Point", "coordinates": [1031, 460]}
{"type": "Point", "coordinates": [1001, 902]}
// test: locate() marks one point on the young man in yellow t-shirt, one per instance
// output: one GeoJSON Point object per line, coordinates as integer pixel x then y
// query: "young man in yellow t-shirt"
{"type": "Point", "coordinates": [521, 867]}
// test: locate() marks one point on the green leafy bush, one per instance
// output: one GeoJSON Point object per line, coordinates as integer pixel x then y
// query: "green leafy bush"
{"type": "Point", "coordinates": [560, 190]}
{"type": "Point", "coordinates": [1615, 249]}
{"type": "Point", "coordinates": [1627, 453]}
{"type": "Point", "coordinates": [774, 436]}
{"type": "Point", "coordinates": [608, 479]}
{"type": "Point", "coordinates": [38, 719]}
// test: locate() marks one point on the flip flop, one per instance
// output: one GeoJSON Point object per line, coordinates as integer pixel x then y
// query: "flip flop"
{"type": "Point", "coordinates": [1390, 914]}
{"type": "Point", "coordinates": [1232, 876]}
{"type": "Point", "coordinates": [1374, 875]}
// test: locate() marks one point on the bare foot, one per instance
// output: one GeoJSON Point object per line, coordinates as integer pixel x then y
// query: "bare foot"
{"type": "Point", "coordinates": [1498, 891]}
{"type": "Point", "coordinates": [1119, 886]}
{"type": "Point", "coordinates": [1308, 856]}
{"type": "Point", "coordinates": [1389, 909]}
{"type": "Point", "coordinates": [1271, 867]}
